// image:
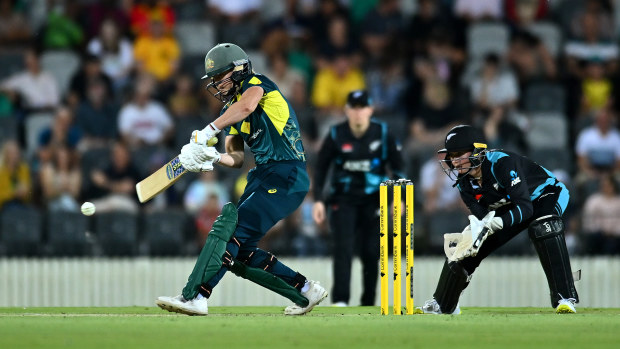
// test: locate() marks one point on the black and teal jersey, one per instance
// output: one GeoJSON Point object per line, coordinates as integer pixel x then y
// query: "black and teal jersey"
{"type": "Point", "coordinates": [271, 130]}
{"type": "Point", "coordinates": [358, 165]}
{"type": "Point", "coordinates": [511, 184]}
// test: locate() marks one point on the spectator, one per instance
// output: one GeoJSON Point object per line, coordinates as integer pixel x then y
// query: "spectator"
{"type": "Point", "coordinates": [237, 21]}
{"type": "Point", "coordinates": [494, 95]}
{"type": "Point", "coordinates": [115, 53]}
{"type": "Point", "coordinates": [206, 216]}
{"type": "Point", "coordinates": [601, 222]}
{"type": "Point", "coordinates": [114, 185]}
{"type": "Point", "coordinates": [91, 71]}
{"type": "Point", "coordinates": [143, 12]}
{"type": "Point", "coordinates": [475, 10]}
{"type": "Point", "coordinates": [33, 88]}
{"type": "Point", "coordinates": [380, 27]}
{"type": "Point", "coordinates": [157, 53]}
{"type": "Point", "coordinates": [590, 45]}
{"type": "Point", "coordinates": [96, 117]}
{"type": "Point", "coordinates": [596, 88]}
{"type": "Point", "coordinates": [332, 83]}
{"type": "Point", "coordinates": [96, 14]}
{"type": "Point", "coordinates": [61, 181]}
{"type": "Point", "coordinates": [438, 190]}
{"type": "Point", "coordinates": [14, 29]}
{"type": "Point", "coordinates": [288, 80]}
{"type": "Point", "coordinates": [61, 133]}
{"type": "Point", "coordinates": [15, 184]}
{"type": "Point", "coordinates": [529, 58]}
{"type": "Point", "coordinates": [183, 103]}
{"type": "Point", "coordinates": [598, 148]}
{"type": "Point", "coordinates": [61, 30]}
{"type": "Point", "coordinates": [522, 13]}
{"type": "Point", "coordinates": [201, 190]}
{"type": "Point", "coordinates": [143, 120]}
{"type": "Point", "coordinates": [339, 43]}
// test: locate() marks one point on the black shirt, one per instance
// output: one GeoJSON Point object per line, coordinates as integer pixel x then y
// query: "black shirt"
{"type": "Point", "coordinates": [359, 164]}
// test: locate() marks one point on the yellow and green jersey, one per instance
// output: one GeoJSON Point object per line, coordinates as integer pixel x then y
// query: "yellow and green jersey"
{"type": "Point", "coordinates": [271, 130]}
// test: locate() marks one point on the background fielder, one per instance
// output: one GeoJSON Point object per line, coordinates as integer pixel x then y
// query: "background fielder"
{"type": "Point", "coordinates": [360, 152]}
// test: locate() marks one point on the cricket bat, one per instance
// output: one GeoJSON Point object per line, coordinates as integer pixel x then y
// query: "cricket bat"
{"type": "Point", "coordinates": [163, 178]}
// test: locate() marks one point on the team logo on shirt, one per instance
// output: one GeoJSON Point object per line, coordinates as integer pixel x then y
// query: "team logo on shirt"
{"type": "Point", "coordinates": [271, 191]}
{"type": "Point", "coordinates": [347, 147]}
{"type": "Point", "coordinates": [374, 145]}
{"type": "Point", "coordinates": [515, 178]}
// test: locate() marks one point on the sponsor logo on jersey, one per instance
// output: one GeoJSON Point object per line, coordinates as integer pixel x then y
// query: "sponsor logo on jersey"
{"type": "Point", "coordinates": [255, 134]}
{"type": "Point", "coordinates": [498, 204]}
{"type": "Point", "coordinates": [347, 147]}
{"type": "Point", "coordinates": [374, 145]}
{"type": "Point", "coordinates": [515, 178]}
{"type": "Point", "coordinates": [478, 197]}
{"type": "Point", "coordinates": [357, 166]}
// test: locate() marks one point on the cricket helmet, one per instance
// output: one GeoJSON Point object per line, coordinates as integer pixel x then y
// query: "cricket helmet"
{"type": "Point", "coordinates": [463, 139]}
{"type": "Point", "coordinates": [221, 59]}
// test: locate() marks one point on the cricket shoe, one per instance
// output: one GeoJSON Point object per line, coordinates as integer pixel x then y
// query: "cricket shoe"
{"type": "Point", "coordinates": [179, 304]}
{"type": "Point", "coordinates": [315, 294]}
{"type": "Point", "coordinates": [566, 306]}
{"type": "Point", "coordinates": [432, 307]}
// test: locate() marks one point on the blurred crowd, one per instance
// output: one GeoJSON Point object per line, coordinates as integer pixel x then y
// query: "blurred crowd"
{"type": "Point", "coordinates": [97, 94]}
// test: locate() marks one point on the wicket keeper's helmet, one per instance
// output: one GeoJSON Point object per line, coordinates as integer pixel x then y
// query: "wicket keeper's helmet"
{"type": "Point", "coordinates": [462, 139]}
{"type": "Point", "coordinates": [221, 59]}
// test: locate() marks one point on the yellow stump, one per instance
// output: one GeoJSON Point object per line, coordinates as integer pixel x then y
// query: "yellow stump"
{"type": "Point", "coordinates": [396, 251]}
{"type": "Point", "coordinates": [409, 247]}
{"type": "Point", "coordinates": [383, 247]}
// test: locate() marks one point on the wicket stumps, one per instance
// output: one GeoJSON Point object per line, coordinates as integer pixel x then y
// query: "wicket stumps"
{"type": "Point", "coordinates": [396, 241]}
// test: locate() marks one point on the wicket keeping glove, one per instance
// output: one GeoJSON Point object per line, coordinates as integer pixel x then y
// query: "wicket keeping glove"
{"type": "Point", "coordinates": [472, 237]}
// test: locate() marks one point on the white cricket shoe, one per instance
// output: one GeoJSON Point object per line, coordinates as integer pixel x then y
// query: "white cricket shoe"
{"type": "Point", "coordinates": [432, 307]}
{"type": "Point", "coordinates": [566, 306]}
{"type": "Point", "coordinates": [178, 304]}
{"type": "Point", "coordinates": [315, 294]}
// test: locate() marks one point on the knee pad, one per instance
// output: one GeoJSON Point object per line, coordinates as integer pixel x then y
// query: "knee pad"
{"type": "Point", "coordinates": [547, 234]}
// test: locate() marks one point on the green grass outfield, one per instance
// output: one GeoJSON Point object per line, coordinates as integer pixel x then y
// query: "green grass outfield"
{"type": "Point", "coordinates": [325, 327]}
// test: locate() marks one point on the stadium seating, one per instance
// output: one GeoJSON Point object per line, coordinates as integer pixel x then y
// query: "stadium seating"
{"type": "Point", "coordinates": [542, 125]}
{"type": "Point", "coordinates": [444, 222]}
{"type": "Point", "coordinates": [8, 129]}
{"type": "Point", "coordinates": [62, 65]}
{"type": "Point", "coordinates": [67, 234]}
{"type": "Point", "coordinates": [11, 63]}
{"type": "Point", "coordinates": [545, 97]}
{"type": "Point", "coordinates": [20, 231]}
{"type": "Point", "coordinates": [163, 232]}
{"type": "Point", "coordinates": [34, 124]}
{"type": "Point", "coordinates": [117, 233]}
{"type": "Point", "coordinates": [195, 37]}
{"type": "Point", "coordinates": [487, 37]}
{"type": "Point", "coordinates": [549, 34]}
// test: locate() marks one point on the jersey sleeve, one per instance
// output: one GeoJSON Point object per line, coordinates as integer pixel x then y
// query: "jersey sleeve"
{"type": "Point", "coordinates": [510, 176]}
{"type": "Point", "coordinates": [257, 80]}
{"type": "Point", "coordinates": [327, 154]}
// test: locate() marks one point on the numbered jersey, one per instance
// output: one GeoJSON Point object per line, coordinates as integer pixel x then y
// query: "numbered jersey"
{"type": "Point", "coordinates": [271, 130]}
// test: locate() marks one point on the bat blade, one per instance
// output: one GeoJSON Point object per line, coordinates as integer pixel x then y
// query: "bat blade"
{"type": "Point", "coordinates": [160, 180]}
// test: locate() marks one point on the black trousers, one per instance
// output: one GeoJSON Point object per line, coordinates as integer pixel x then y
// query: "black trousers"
{"type": "Point", "coordinates": [355, 230]}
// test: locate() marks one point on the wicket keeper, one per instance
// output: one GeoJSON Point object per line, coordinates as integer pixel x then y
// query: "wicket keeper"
{"type": "Point", "coordinates": [506, 194]}
{"type": "Point", "coordinates": [254, 112]}
{"type": "Point", "coordinates": [361, 152]}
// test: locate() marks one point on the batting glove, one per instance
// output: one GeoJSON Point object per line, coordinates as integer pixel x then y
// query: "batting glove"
{"type": "Point", "coordinates": [203, 136]}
